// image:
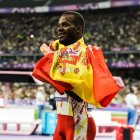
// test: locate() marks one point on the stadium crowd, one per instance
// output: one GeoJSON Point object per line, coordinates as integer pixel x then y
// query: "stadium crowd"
{"type": "Point", "coordinates": [24, 94]}
{"type": "Point", "coordinates": [116, 33]}
{"type": "Point", "coordinates": [20, 94]}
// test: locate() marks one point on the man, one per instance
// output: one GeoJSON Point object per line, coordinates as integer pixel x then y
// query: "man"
{"type": "Point", "coordinates": [74, 123]}
{"type": "Point", "coordinates": [79, 73]}
{"type": "Point", "coordinates": [131, 101]}
{"type": "Point", "coordinates": [40, 101]}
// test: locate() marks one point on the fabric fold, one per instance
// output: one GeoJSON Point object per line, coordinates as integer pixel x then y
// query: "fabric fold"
{"type": "Point", "coordinates": [105, 86]}
{"type": "Point", "coordinates": [42, 73]}
{"type": "Point", "coordinates": [81, 69]}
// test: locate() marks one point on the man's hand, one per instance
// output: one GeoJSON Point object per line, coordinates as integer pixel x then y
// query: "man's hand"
{"type": "Point", "coordinates": [45, 49]}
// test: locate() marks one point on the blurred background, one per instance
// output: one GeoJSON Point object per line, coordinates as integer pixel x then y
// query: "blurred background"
{"type": "Point", "coordinates": [113, 25]}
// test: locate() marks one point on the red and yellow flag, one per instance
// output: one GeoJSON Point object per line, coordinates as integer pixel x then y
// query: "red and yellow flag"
{"type": "Point", "coordinates": [81, 69]}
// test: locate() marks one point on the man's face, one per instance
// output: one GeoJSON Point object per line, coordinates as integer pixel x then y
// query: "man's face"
{"type": "Point", "coordinates": [67, 30]}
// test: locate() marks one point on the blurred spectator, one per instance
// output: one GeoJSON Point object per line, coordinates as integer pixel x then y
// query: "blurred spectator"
{"type": "Point", "coordinates": [52, 101]}
{"type": "Point", "coordinates": [40, 101]}
{"type": "Point", "coordinates": [131, 99]}
{"type": "Point", "coordinates": [2, 104]}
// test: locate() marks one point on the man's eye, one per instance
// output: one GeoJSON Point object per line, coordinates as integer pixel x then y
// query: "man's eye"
{"type": "Point", "coordinates": [65, 24]}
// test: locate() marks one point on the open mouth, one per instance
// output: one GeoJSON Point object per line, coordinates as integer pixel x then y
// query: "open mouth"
{"type": "Point", "coordinates": [61, 35]}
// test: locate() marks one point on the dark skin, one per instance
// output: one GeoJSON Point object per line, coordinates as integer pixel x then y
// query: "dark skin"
{"type": "Point", "coordinates": [69, 33]}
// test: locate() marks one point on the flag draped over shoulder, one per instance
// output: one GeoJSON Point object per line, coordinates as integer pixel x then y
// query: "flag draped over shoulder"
{"type": "Point", "coordinates": [81, 69]}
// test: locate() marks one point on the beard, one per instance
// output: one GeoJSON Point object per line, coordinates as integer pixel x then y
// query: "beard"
{"type": "Point", "coordinates": [68, 39]}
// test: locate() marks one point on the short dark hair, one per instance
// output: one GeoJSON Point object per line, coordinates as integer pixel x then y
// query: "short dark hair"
{"type": "Point", "coordinates": [79, 19]}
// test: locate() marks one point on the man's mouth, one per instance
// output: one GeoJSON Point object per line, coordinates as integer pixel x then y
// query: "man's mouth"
{"type": "Point", "coordinates": [61, 35]}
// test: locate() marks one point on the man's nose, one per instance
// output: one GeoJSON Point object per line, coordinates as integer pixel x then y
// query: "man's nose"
{"type": "Point", "coordinates": [60, 28]}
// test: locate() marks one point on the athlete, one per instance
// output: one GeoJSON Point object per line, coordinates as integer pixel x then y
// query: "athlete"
{"type": "Point", "coordinates": [74, 122]}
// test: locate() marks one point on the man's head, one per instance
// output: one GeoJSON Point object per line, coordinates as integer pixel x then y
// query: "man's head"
{"type": "Point", "coordinates": [70, 27]}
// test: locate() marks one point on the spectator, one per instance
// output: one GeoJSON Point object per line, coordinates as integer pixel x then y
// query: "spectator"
{"type": "Point", "coordinates": [40, 101]}
{"type": "Point", "coordinates": [131, 99]}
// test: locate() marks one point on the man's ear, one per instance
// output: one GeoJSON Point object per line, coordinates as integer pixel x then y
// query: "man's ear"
{"type": "Point", "coordinates": [79, 28]}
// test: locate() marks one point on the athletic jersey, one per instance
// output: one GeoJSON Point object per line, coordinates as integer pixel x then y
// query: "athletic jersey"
{"type": "Point", "coordinates": [68, 106]}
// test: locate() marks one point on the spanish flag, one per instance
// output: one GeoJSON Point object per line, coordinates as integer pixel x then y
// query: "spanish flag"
{"type": "Point", "coordinates": [81, 69]}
